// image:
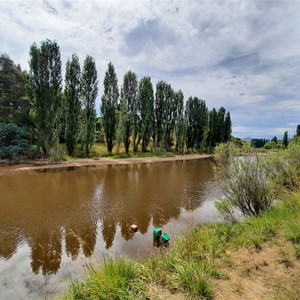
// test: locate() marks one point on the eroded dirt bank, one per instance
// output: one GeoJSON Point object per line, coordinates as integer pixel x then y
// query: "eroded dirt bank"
{"type": "Point", "coordinates": [46, 164]}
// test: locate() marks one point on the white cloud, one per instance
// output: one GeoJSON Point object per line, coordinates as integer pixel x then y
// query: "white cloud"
{"type": "Point", "coordinates": [244, 55]}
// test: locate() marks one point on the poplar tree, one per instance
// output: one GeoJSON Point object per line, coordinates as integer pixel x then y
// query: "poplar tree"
{"type": "Point", "coordinates": [146, 108]}
{"type": "Point", "coordinates": [165, 110]}
{"type": "Point", "coordinates": [227, 127]}
{"type": "Point", "coordinates": [212, 135]}
{"type": "Point", "coordinates": [159, 112]}
{"type": "Point", "coordinates": [221, 116]}
{"type": "Point", "coordinates": [46, 79]}
{"type": "Point", "coordinates": [170, 117]}
{"type": "Point", "coordinates": [72, 105]}
{"type": "Point", "coordinates": [197, 118]}
{"type": "Point", "coordinates": [298, 130]}
{"type": "Point", "coordinates": [285, 140]}
{"type": "Point", "coordinates": [180, 128]}
{"type": "Point", "coordinates": [129, 98]}
{"type": "Point", "coordinates": [89, 91]}
{"type": "Point", "coordinates": [109, 105]}
{"type": "Point", "coordinates": [122, 121]}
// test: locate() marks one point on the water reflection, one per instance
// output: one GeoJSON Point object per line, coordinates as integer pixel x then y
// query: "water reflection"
{"type": "Point", "coordinates": [65, 211]}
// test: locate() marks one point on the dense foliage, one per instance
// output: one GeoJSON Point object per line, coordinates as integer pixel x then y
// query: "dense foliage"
{"type": "Point", "coordinates": [135, 114]}
{"type": "Point", "coordinates": [13, 140]}
{"type": "Point", "coordinates": [109, 105]}
{"type": "Point", "coordinates": [73, 105]}
{"type": "Point", "coordinates": [129, 105]}
{"type": "Point", "coordinates": [89, 92]}
{"type": "Point", "coordinates": [250, 184]}
{"type": "Point", "coordinates": [259, 143]}
{"type": "Point", "coordinates": [46, 80]}
{"type": "Point", "coordinates": [14, 105]}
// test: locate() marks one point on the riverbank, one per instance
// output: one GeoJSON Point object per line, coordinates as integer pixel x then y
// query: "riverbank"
{"type": "Point", "coordinates": [254, 259]}
{"type": "Point", "coordinates": [48, 164]}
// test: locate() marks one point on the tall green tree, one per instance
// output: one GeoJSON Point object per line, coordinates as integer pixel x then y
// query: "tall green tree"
{"type": "Point", "coordinates": [180, 128]}
{"type": "Point", "coordinates": [89, 92]}
{"type": "Point", "coordinates": [170, 116]}
{"type": "Point", "coordinates": [298, 130]}
{"type": "Point", "coordinates": [73, 105]}
{"type": "Point", "coordinates": [285, 140]}
{"type": "Point", "coordinates": [109, 105]}
{"type": "Point", "coordinates": [165, 110]}
{"type": "Point", "coordinates": [122, 121]}
{"type": "Point", "coordinates": [213, 130]}
{"type": "Point", "coordinates": [274, 139]}
{"type": "Point", "coordinates": [46, 79]}
{"type": "Point", "coordinates": [197, 119]}
{"type": "Point", "coordinates": [227, 127]}
{"type": "Point", "coordinates": [159, 112]}
{"type": "Point", "coordinates": [129, 98]}
{"type": "Point", "coordinates": [14, 105]}
{"type": "Point", "coordinates": [146, 108]}
{"type": "Point", "coordinates": [221, 129]}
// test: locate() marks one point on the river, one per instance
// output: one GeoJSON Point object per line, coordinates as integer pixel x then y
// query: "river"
{"type": "Point", "coordinates": [54, 223]}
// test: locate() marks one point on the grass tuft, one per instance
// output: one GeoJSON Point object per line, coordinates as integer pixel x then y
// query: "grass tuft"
{"type": "Point", "coordinates": [115, 280]}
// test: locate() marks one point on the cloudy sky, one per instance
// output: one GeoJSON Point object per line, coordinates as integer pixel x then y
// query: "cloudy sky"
{"type": "Point", "coordinates": [243, 55]}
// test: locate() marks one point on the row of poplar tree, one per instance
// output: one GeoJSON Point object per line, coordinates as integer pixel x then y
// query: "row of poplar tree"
{"type": "Point", "coordinates": [135, 114]}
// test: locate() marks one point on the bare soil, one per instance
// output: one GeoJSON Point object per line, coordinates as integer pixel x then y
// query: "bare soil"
{"type": "Point", "coordinates": [272, 273]}
{"type": "Point", "coordinates": [46, 164]}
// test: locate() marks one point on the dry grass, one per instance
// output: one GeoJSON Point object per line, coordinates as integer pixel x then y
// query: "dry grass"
{"type": "Point", "coordinates": [272, 273]}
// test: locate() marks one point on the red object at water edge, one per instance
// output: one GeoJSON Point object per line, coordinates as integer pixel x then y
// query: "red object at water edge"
{"type": "Point", "coordinates": [134, 228]}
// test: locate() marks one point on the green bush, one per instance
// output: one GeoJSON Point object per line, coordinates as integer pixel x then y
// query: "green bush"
{"type": "Point", "coordinates": [284, 167]}
{"type": "Point", "coordinates": [13, 140]}
{"type": "Point", "coordinates": [246, 185]}
{"type": "Point", "coordinates": [34, 152]}
{"type": "Point", "coordinates": [272, 145]}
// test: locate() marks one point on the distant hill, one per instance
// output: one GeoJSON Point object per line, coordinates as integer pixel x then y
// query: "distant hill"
{"type": "Point", "coordinates": [247, 139]}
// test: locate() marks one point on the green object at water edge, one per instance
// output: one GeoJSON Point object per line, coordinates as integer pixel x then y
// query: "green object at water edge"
{"type": "Point", "coordinates": [165, 237]}
{"type": "Point", "coordinates": [157, 232]}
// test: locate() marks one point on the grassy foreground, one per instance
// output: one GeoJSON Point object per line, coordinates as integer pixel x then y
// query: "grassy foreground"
{"type": "Point", "coordinates": [198, 262]}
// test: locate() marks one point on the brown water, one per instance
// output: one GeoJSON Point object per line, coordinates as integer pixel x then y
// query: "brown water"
{"type": "Point", "coordinates": [55, 222]}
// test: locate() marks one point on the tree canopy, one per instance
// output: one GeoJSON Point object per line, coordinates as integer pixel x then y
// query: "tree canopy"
{"type": "Point", "coordinates": [135, 115]}
{"type": "Point", "coordinates": [45, 80]}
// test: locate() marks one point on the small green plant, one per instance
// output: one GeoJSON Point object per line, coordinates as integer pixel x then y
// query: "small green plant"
{"type": "Point", "coordinates": [264, 264]}
{"type": "Point", "coordinates": [286, 261]}
{"type": "Point", "coordinates": [121, 155]}
{"type": "Point", "coordinates": [58, 158]}
{"type": "Point", "coordinates": [246, 271]}
{"type": "Point", "coordinates": [257, 245]}
{"type": "Point", "coordinates": [297, 251]}
{"type": "Point", "coordinates": [35, 152]}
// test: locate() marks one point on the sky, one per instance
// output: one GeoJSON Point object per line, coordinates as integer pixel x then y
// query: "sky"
{"type": "Point", "coordinates": [242, 55]}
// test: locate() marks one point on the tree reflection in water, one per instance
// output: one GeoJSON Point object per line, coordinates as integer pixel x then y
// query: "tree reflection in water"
{"type": "Point", "coordinates": [43, 208]}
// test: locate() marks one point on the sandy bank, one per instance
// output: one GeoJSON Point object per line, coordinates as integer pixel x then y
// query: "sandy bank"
{"type": "Point", "coordinates": [45, 164]}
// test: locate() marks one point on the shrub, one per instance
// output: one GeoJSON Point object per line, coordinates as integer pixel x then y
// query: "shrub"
{"type": "Point", "coordinates": [245, 183]}
{"type": "Point", "coordinates": [13, 140]}
{"type": "Point", "coordinates": [284, 167]}
{"type": "Point", "coordinates": [272, 145]}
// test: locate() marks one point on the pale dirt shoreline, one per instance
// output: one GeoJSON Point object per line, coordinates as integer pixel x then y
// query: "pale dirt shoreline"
{"type": "Point", "coordinates": [46, 164]}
